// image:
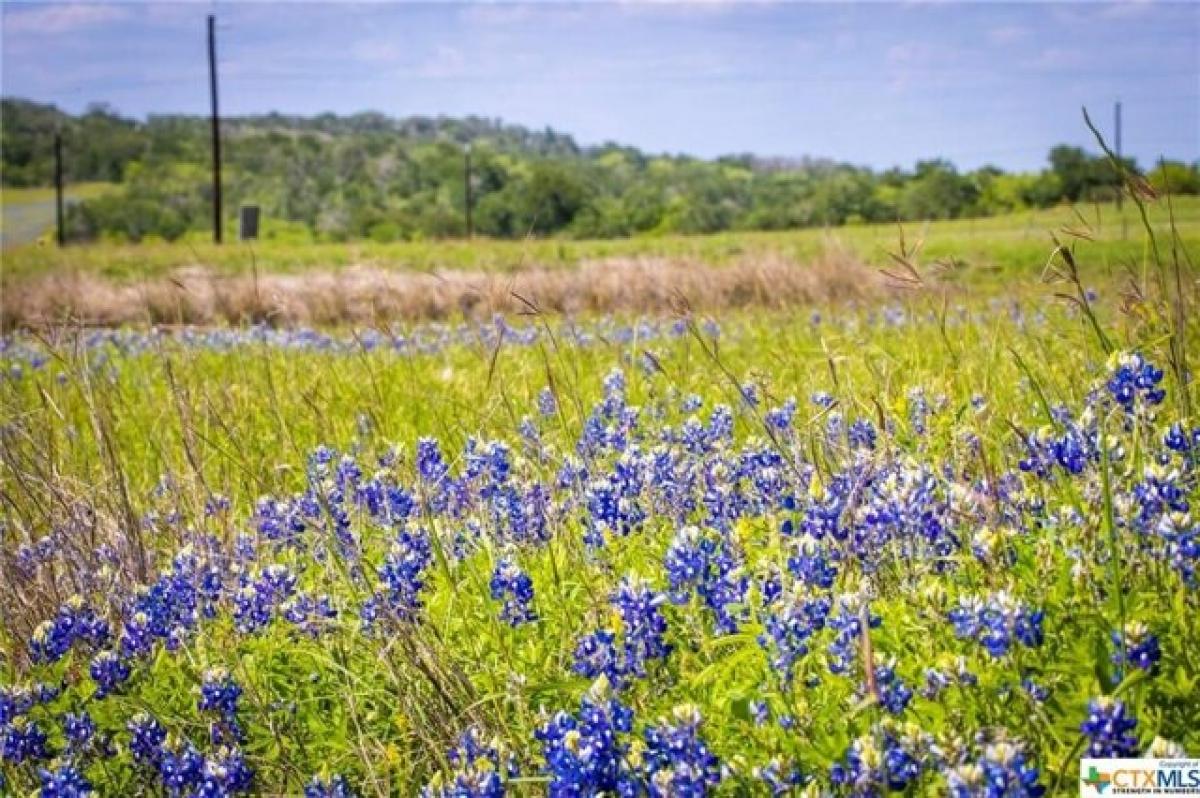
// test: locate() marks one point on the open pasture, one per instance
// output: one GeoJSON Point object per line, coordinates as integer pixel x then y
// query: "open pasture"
{"type": "Point", "coordinates": [938, 540]}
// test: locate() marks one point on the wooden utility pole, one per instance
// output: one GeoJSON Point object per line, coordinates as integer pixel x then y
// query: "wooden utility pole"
{"type": "Point", "coordinates": [467, 189]}
{"type": "Point", "coordinates": [216, 128]}
{"type": "Point", "coordinates": [58, 191]}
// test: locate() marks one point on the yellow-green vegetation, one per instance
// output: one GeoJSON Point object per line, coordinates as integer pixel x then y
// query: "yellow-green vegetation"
{"type": "Point", "coordinates": [1010, 244]}
{"type": "Point", "coordinates": [942, 543]}
{"type": "Point", "coordinates": [13, 195]}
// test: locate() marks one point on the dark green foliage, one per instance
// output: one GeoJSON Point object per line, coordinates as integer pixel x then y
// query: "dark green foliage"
{"type": "Point", "coordinates": [372, 176]}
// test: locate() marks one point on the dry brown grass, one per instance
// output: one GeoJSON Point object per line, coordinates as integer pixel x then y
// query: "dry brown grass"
{"type": "Point", "coordinates": [363, 295]}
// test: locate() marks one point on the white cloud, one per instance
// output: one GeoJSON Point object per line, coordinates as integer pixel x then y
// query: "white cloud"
{"type": "Point", "coordinates": [52, 19]}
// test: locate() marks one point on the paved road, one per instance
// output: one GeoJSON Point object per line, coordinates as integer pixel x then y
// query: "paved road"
{"type": "Point", "coordinates": [23, 222]}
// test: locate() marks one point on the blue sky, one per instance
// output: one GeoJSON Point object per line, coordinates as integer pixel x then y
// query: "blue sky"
{"type": "Point", "coordinates": [880, 84]}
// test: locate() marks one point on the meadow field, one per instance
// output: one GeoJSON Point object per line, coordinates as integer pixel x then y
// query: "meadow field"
{"type": "Point", "coordinates": [281, 283]}
{"type": "Point", "coordinates": [901, 511]}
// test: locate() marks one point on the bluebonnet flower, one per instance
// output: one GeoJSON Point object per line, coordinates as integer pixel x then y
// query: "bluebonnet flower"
{"type": "Point", "coordinates": [402, 574]}
{"type": "Point", "coordinates": [79, 729]}
{"type": "Point", "coordinates": [74, 622]}
{"type": "Point", "coordinates": [479, 771]}
{"type": "Point", "coordinates": [335, 786]}
{"type": "Point", "coordinates": [677, 760]}
{"type": "Point", "coordinates": [310, 614]}
{"type": "Point", "coordinates": [644, 626]}
{"type": "Point", "coordinates": [778, 777]}
{"type": "Point", "coordinates": [44, 693]}
{"type": "Point", "coordinates": [227, 773]}
{"type": "Point", "coordinates": [21, 739]}
{"type": "Point", "coordinates": [180, 767]}
{"type": "Point", "coordinates": [705, 564]}
{"type": "Point", "coordinates": [779, 419]}
{"type": "Point", "coordinates": [1181, 540]}
{"type": "Point", "coordinates": [893, 693]}
{"type": "Point", "coordinates": [597, 653]}
{"type": "Point", "coordinates": [862, 435]}
{"type": "Point", "coordinates": [720, 425]}
{"type": "Point", "coordinates": [918, 410]}
{"type": "Point", "coordinates": [108, 671]}
{"type": "Point", "coordinates": [514, 587]}
{"type": "Point", "coordinates": [584, 753]}
{"type": "Point", "coordinates": [612, 507]}
{"type": "Point", "coordinates": [431, 464]}
{"type": "Point", "coordinates": [846, 621]}
{"type": "Point", "coordinates": [787, 626]}
{"type": "Point", "coordinates": [547, 404]}
{"type": "Point", "coordinates": [15, 700]}
{"type": "Point", "coordinates": [216, 504]}
{"type": "Point", "coordinates": [1004, 771]}
{"type": "Point", "coordinates": [1109, 728]}
{"type": "Point", "coordinates": [891, 757]}
{"type": "Point", "coordinates": [146, 736]}
{"type": "Point", "coordinates": [998, 623]}
{"type": "Point", "coordinates": [1160, 493]}
{"type": "Point", "coordinates": [219, 693]}
{"type": "Point", "coordinates": [1037, 692]}
{"type": "Point", "coordinates": [936, 681]}
{"type": "Point", "coordinates": [1138, 645]}
{"type": "Point", "coordinates": [1178, 439]}
{"type": "Point", "coordinates": [822, 399]}
{"type": "Point", "coordinates": [811, 564]}
{"type": "Point", "coordinates": [65, 781]}
{"type": "Point", "coordinates": [1133, 382]}
{"type": "Point", "coordinates": [168, 609]}
{"type": "Point", "coordinates": [255, 604]}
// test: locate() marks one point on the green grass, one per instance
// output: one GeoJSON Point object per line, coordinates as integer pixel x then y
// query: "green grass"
{"type": "Point", "coordinates": [26, 195]}
{"type": "Point", "coordinates": [999, 246]}
{"type": "Point", "coordinates": [123, 443]}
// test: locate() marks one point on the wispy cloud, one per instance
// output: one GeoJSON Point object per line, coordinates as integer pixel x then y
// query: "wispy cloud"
{"type": "Point", "coordinates": [54, 19]}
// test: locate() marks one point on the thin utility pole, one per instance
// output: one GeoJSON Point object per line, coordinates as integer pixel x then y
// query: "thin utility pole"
{"type": "Point", "coordinates": [467, 192]}
{"type": "Point", "coordinates": [216, 128]}
{"type": "Point", "coordinates": [58, 190]}
{"type": "Point", "coordinates": [1117, 141]}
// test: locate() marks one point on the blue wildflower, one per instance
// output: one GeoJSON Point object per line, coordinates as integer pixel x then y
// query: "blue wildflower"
{"type": "Point", "coordinates": [677, 760]}
{"type": "Point", "coordinates": [514, 587]}
{"type": "Point", "coordinates": [1109, 728]}
{"type": "Point", "coordinates": [65, 781]}
{"type": "Point", "coordinates": [109, 672]}
{"type": "Point", "coordinates": [1138, 645]}
{"type": "Point", "coordinates": [584, 753]}
{"type": "Point", "coordinates": [335, 786]}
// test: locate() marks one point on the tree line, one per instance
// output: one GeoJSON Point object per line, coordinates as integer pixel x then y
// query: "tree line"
{"type": "Point", "coordinates": [367, 175]}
